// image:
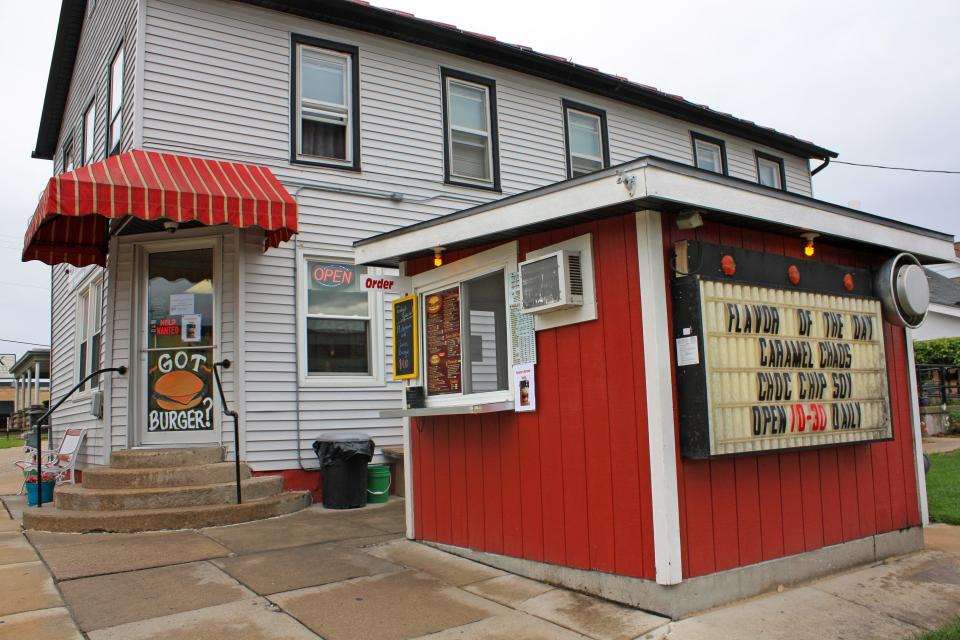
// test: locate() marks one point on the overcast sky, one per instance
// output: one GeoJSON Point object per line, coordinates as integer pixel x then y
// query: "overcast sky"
{"type": "Point", "coordinates": [876, 81]}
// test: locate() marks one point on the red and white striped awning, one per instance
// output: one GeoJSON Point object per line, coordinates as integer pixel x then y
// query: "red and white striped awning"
{"type": "Point", "coordinates": [71, 222]}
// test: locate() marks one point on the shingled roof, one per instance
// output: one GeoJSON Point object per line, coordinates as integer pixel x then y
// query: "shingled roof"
{"type": "Point", "coordinates": [400, 25]}
{"type": "Point", "coordinates": [943, 290]}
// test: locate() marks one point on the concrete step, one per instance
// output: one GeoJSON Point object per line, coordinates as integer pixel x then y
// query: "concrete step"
{"type": "Point", "coordinates": [62, 521]}
{"type": "Point", "coordinates": [153, 458]}
{"type": "Point", "coordinates": [72, 497]}
{"type": "Point", "coordinates": [110, 478]}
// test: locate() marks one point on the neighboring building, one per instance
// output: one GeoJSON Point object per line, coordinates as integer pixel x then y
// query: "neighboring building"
{"type": "Point", "coordinates": [372, 119]}
{"type": "Point", "coordinates": [943, 320]}
{"type": "Point", "coordinates": [949, 269]}
{"type": "Point", "coordinates": [30, 385]}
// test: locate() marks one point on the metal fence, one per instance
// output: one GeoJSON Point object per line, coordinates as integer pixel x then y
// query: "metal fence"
{"type": "Point", "coordinates": [938, 385]}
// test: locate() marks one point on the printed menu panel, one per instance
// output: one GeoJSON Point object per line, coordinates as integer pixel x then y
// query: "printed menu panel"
{"type": "Point", "coordinates": [443, 341]}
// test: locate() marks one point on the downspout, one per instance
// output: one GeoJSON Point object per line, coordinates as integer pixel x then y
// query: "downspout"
{"type": "Point", "coordinates": [826, 161]}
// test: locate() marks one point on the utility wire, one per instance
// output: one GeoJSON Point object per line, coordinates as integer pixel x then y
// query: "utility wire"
{"type": "Point", "coordinates": [33, 344]}
{"type": "Point", "coordinates": [880, 166]}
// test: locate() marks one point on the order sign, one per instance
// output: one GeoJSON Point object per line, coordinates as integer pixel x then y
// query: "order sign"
{"type": "Point", "coordinates": [787, 369]}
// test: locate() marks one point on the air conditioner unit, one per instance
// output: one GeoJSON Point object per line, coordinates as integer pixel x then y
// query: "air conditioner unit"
{"type": "Point", "coordinates": [551, 282]}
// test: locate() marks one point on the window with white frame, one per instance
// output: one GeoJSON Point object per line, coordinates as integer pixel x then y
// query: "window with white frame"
{"type": "Point", "coordinates": [89, 133]}
{"type": "Point", "coordinates": [586, 132]}
{"type": "Point", "coordinates": [770, 171]}
{"type": "Point", "coordinates": [470, 130]}
{"type": "Point", "coordinates": [325, 126]}
{"type": "Point", "coordinates": [465, 327]}
{"type": "Point", "coordinates": [339, 338]}
{"type": "Point", "coordinates": [89, 330]}
{"type": "Point", "coordinates": [67, 160]}
{"type": "Point", "coordinates": [115, 107]}
{"type": "Point", "coordinates": [709, 153]}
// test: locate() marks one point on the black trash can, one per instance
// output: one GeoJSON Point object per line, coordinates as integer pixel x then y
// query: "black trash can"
{"type": "Point", "coordinates": [343, 468]}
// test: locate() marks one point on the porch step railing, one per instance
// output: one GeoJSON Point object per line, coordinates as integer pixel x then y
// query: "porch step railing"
{"type": "Point", "coordinates": [46, 416]}
{"type": "Point", "coordinates": [225, 364]}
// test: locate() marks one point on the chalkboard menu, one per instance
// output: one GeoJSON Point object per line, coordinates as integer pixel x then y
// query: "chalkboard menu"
{"type": "Point", "coordinates": [443, 341]}
{"type": "Point", "coordinates": [405, 338]}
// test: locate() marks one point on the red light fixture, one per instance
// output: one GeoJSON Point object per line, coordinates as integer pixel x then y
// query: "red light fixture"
{"type": "Point", "coordinates": [793, 274]}
{"type": "Point", "coordinates": [728, 265]}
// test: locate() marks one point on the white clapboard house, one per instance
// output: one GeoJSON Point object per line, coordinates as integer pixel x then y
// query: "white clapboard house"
{"type": "Point", "coordinates": [216, 160]}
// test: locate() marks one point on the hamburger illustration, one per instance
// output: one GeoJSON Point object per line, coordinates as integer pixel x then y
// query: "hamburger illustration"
{"type": "Point", "coordinates": [178, 390]}
{"type": "Point", "coordinates": [434, 304]}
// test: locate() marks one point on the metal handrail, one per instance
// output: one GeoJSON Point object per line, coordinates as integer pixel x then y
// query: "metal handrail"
{"type": "Point", "coordinates": [225, 364]}
{"type": "Point", "coordinates": [121, 370]}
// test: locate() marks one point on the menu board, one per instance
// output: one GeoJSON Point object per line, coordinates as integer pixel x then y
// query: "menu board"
{"type": "Point", "coordinates": [443, 341]}
{"type": "Point", "coordinates": [781, 369]}
{"type": "Point", "coordinates": [405, 338]}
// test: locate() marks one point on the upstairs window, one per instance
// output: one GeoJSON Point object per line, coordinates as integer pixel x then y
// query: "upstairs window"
{"type": "Point", "coordinates": [709, 153]}
{"type": "Point", "coordinates": [89, 131]}
{"type": "Point", "coordinates": [89, 330]}
{"type": "Point", "coordinates": [770, 171]}
{"type": "Point", "coordinates": [470, 130]}
{"type": "Point", "coordinates": [325, 127]}
{"type": "Point", "coordinates": [586, 137]}
{"type": "Point", "coordinates": [115, 108]}
{"type": "Point", "coordinates": [67, 161]}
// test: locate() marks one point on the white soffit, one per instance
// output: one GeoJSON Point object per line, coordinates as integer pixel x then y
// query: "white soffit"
{"type": "Point", "coordinates": [607, 189]}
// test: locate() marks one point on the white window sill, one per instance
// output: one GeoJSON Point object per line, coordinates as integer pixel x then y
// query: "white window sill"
{"type": "Point", "coordinates": [459, 409]}
{"type": "Point", "coordinates": [341, 382]}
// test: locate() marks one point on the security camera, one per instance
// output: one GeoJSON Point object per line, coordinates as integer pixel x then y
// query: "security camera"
{"type": "Point", "coordinates": [170, 226]}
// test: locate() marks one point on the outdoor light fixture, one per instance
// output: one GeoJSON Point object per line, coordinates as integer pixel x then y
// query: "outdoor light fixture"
{"type": "Point", "coordinates": [438, 256]}
{"type": "Point", "coordinates": [689, 220]}
{"type": "Point", "coordinates": [809, 249]}
{"type": "Point", "coordinates": [170, 226]}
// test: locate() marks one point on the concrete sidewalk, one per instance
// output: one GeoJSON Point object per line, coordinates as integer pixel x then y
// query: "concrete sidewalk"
{"type": "Point", "coordinates": [344, 575]}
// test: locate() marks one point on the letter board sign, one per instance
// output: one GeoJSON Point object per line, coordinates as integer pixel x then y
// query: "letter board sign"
{"type": "Point", "coordinates": [777, 366]}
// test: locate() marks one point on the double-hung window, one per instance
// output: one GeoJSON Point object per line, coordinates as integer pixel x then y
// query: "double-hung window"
{"type": "Point", "coordinates": [67, 161]}
{"type": "Point", "coordinates": [586, 137]}
{"type": "Point", "coordinates": [709, 153]}
{"type": "Point", "coordinates": [339, 338]}
{"type": "Point", "coordinates": [470, 130]}
{"type": "Point", "coordinates": [325, 126]}
{"type": "Point", "coordinates": [115, 106]}
{"type": "Point", "coordinates": [770, 171]}
{"type": "Point", "coordinates": [88, 329]}
{"type": "Point", "coordinates": [89, 132]}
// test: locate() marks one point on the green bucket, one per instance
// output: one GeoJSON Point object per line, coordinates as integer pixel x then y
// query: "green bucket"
{"type": "Point", "coordinates": [378, 483]}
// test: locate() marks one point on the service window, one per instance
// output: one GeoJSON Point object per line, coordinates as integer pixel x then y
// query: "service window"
{"type": "Point", "coordinates": [465, 329]}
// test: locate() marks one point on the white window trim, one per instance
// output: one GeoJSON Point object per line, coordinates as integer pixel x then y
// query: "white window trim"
{"type": "Point", "coordinates": [570, 153]}
{"type": "Point", "coordinates": [761, 161]}
{"type": "Point", "coordinates": [503, 257]}
{"type": "Point", "coordinates": [114, 113]}
{"type": "Point", "coordinates": [377, 375]}
{"type": "Point", "coordinates": [711, 145]}
{"type": "Point", "coordinates": [340, 110]}
{"type": "Point", "coordinates": [89, 135]}
{"type": "Point", "coordinates": [477, 132]}
{"type": "Point", "coordinates": [93, 277]}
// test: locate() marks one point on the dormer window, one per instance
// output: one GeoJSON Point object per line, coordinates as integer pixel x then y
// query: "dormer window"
{"type": "Point", "coordinates": [325, 97]}
{"type": "Point", "coordinates": [709, 153]}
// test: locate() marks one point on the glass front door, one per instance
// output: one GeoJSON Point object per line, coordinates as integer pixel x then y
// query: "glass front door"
{"type": "Point", "coordinates": [178, 348]}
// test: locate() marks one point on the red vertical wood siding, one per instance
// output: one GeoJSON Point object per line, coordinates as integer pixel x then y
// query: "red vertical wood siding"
{"type": "Point", "coordinates": [774, 504]}
{"type": "Point", "coordinates": [570, 483]}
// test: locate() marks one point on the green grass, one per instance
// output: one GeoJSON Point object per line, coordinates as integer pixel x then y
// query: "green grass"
{"type": "Point", "coordinates": [951, 631]}
{"type": "Point", "coordinates": [943, 488]}
{"type": "Point", "coordinates": [8, 441]}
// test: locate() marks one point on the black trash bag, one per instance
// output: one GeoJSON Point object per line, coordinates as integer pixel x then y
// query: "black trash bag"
{"type": "Point", "coordinates": [332, 451]}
